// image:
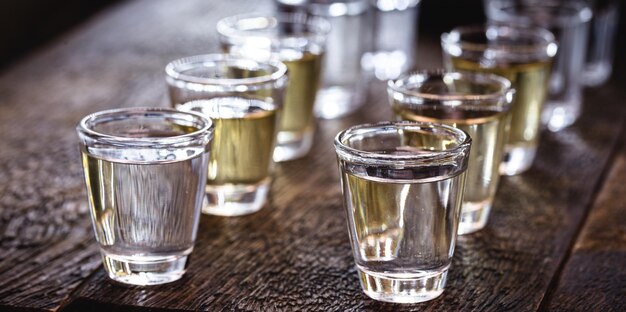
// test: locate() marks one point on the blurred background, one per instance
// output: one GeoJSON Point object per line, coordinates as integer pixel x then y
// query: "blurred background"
{"type": "Point", "coordinates": [26, 25]}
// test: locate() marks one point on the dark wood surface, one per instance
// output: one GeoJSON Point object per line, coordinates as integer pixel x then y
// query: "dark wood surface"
{"type": "Point", "coordinates": [597, 263]}
{"type": "Point", "coordinates": [555, 240]}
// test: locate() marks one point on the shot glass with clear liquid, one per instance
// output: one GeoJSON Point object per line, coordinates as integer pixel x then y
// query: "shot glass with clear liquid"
{"type": "Point", "coordinates": [568, 20]}
{"type": "Point", "coordinates": [239, 172]}
{"type": "Point", "coordinates": [145, 171]}
{"type": "Point", "coordinates": [479, 104]}
{"type": "Point", "coordinates": [402, 186]}
{"type": "Point", "coordinates": [523, 55]}
{"type": "Point", "coordinates": [298, 40]}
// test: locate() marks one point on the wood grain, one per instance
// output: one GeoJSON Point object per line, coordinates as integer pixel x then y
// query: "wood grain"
{"type": "Point", "coordinates": [594, 277]}
{"type": "Point", "coordinates": [292, 255]}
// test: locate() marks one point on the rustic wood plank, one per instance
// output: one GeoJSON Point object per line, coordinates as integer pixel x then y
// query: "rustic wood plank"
{"type": "Point", "coordinates": [292, 255]}
{"type": "Point", "coordinates": [46, 241]}
{"type": "Point", "coordinates": [295, 255]}
{"type": "Point", "coordinates": [594, 277]}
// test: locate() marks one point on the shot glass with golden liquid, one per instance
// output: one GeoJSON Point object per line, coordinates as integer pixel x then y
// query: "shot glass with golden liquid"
{"type": "Point", "coordinates": [239, 171]}
{"type": "Point", "coordinates": [522, 55]}
{"type": "Point", "coordinates": [243, 98]}
{"type": "Point", "coordinates": [298, 41]}
{"type": "Point", "coordinates": [479, 104]}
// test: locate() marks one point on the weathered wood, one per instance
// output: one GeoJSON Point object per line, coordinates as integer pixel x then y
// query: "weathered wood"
{"type": "Point", "coordinates": [293, 254]}
{"type": "Point", "coordinates": [115, 60]}
{"type": "Point", "coordinates": [594, 277]}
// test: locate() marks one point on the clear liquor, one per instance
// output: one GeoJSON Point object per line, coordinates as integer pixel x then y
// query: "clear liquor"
{"type": "Point", "coordinates": [405, 224]}
{"type": "Point", "coordinates": [143, 215]}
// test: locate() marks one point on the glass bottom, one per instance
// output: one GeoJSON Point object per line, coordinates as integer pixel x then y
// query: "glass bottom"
{"type": "Point", "coordinates": [474, 216]}
{"type": "Point", "coordinates": [334, 102]}
{"type": "Point", "coordinates": [236, 199]}
{"type": "Point", "coordinates": [558, 115]}
{"type": "Point", "coordinates": [145, 270]}
{"type": "Point", "coordinates": [293, 145]}
{"type": "Point", "coordinates": [405, 288]}
{"type": "Point", "coordinates": [517, 159]}
{"type": "Point", "coordinates": [596, 74]}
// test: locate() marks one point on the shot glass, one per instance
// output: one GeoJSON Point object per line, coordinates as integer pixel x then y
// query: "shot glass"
{"type": "Point", "coordinates": [569, 22]}
{"type": "Point", "coordinates": [478, 104]}
{"type": "Point", "coordinates": [523, 55]}
{"type": "Point", "coordinates": [394, 36]}
{"type": "Point", "coordinates": [298, 40]}
{"type": "Point", "coordinates": [601, 46]}
{"type": "Point", "coordinates": [402, 186]}
{"type": "Point", "coordinates": [343, 83]}
{"type": "Point", "coordinates": [145, 171]}
{"type": "Point", "coordinates": [239, 173]}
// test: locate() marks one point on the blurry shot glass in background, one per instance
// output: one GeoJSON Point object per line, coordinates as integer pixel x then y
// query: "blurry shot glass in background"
{"type": "Point", "coordinates": [243, 98]}
{"type": "Point", "coordinates": [145, 171]}
{"type": "Point", "coordinates": [402, 187]}
{"type": "Point", "coordinates": [476, 103]}
{"type": "Point", "coordinates": [394, 38]}
{"type": "Point", "coordinates": [569, 22]}
{"type": "Point", "coordinates": [601, 41]}
{"type": "Point", "coordinates": [343, 84]}
{"type": "Point", "coordinates": [298, 40]}
{"type": "Point", "coordinates": [239, 176]}
{"type": "Point", "coordinates": [523, 55]}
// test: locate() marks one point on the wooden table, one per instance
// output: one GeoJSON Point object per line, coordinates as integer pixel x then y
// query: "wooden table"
{"type": "Point", "coordinates": [556, 239]}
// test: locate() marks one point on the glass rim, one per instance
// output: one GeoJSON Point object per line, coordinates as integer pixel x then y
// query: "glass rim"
{"type": "Point", "coordinates": [548, 42]}
{"type": "Point", "coordinates": [84, 129]}
{"type": "Point", "coordinates": [346, 152]}
{"type": "Point", "coordinates": [505, 91]}
{"type": "Point", "coordinates": [228, 26]}
{"type": "Point", "coordinates": [174, 70]}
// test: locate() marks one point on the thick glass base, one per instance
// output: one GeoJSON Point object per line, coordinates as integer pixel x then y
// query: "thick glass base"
{"type": "Point", "coordinates": [293, 145]}
{"type": "Point", "coordinates": [236, 199]}
{"type": "Point", "coordinates": [517, 159]}
{"type": "Point", "coordinates": [404, 288]}
{"type": "Point", "coordinates": [558, 115]}
{"type": "Point", "coordinates": [145, 270]}
{"type": "Point", "coordinates": [474, 216]}
{"type": "Point", "coordinates": [334, 102]}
